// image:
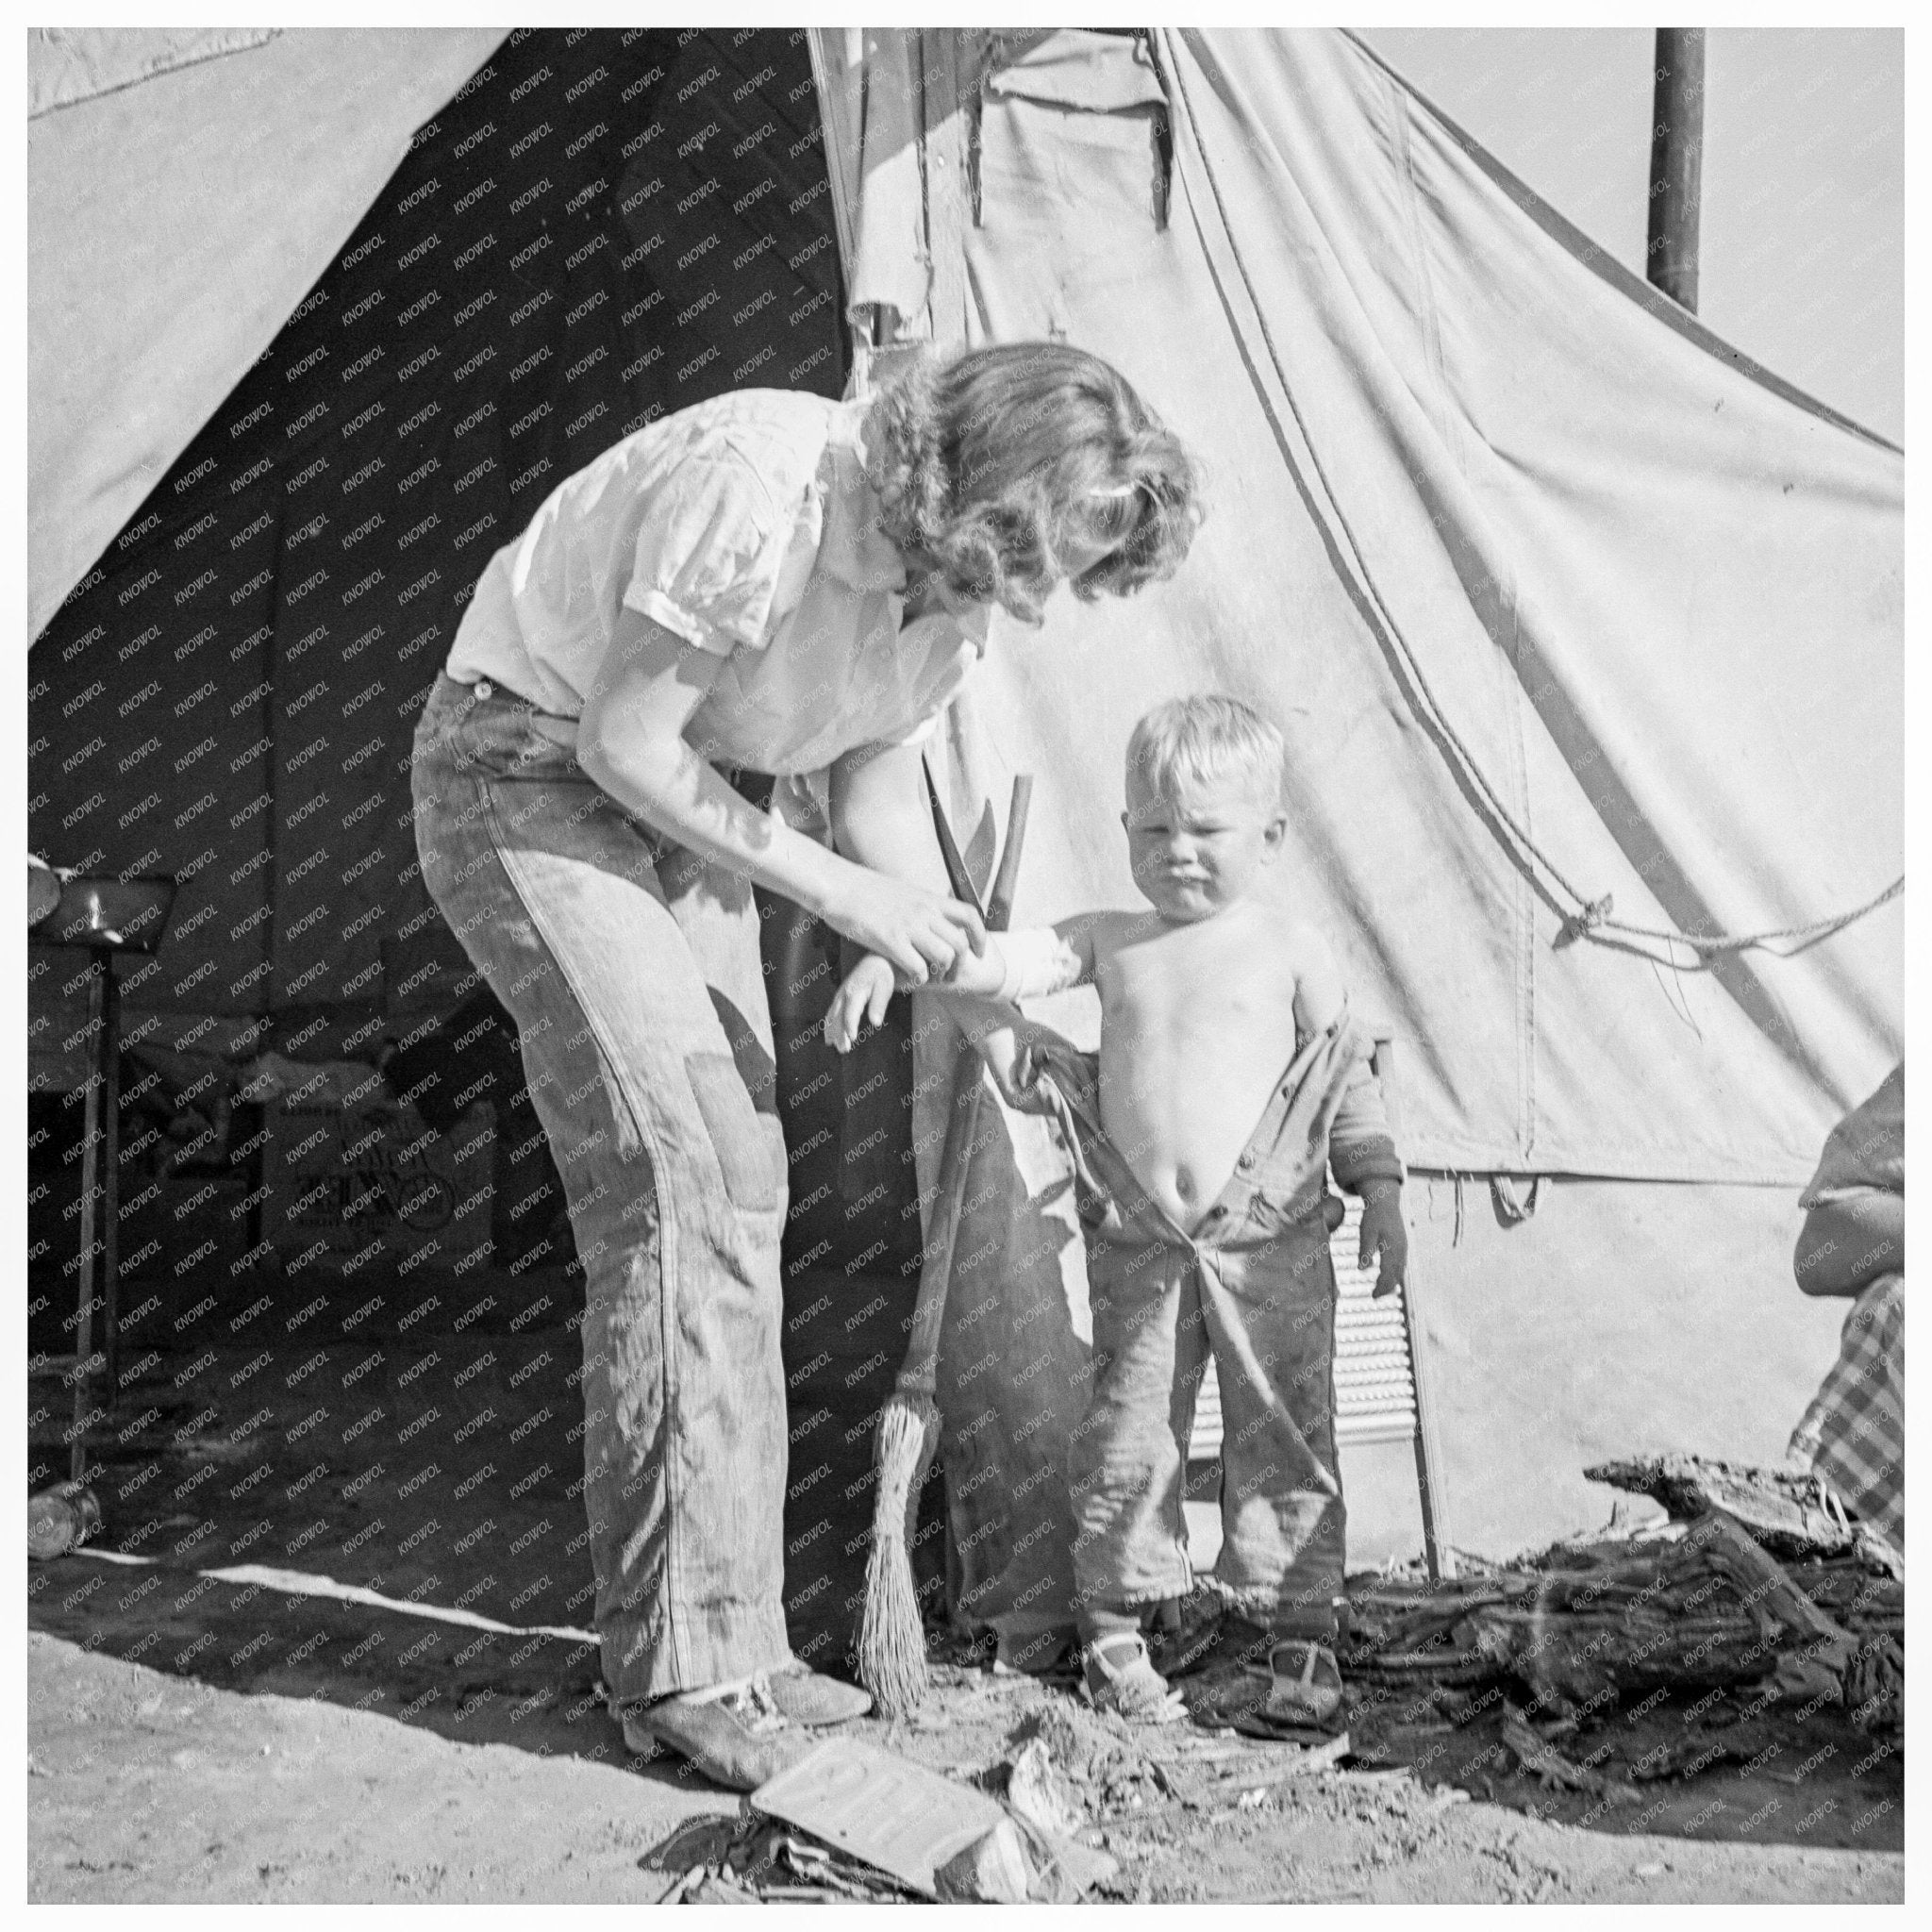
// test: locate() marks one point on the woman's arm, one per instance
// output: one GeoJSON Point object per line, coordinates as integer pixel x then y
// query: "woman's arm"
{"type": "Point", "coordinates": [982, 990]}
{"type": "Point", "coordinates": [631, 741]}
{"type": "Point", "coordinates": [880, 814]}
{"type": "Point", "coordinates": [882, 818]}
{"type": "Point", "coordinates": [1848, 1242]}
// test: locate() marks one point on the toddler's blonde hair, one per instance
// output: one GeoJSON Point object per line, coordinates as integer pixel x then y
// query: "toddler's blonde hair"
{"type": "Point", "coordinates": [1202, 739]}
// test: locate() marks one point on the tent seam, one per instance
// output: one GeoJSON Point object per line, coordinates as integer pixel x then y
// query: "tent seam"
{"type": "Point", "coordinates": [1447, 422]}
{"type": "Point", "coordinates": [1450, 426]}
{"type": "Point", "coordinates": [1526, 919]}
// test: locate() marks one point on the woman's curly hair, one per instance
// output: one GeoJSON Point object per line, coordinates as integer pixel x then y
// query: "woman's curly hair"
{"type": "Point", "coordinates": [990, 463]}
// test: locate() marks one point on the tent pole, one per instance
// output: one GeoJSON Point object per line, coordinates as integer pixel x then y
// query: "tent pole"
{"type": "Point", "coordinates": [1676, 163]}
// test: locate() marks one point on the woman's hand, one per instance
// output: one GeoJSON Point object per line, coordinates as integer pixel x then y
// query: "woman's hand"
{"type": "Point", "coordinates": [920, 935]}
{"type": "Point", "coordinates": [981, 974]}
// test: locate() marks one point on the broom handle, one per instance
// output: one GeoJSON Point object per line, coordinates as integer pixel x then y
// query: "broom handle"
{"type": "Point", "coordinates": [918, 1373]}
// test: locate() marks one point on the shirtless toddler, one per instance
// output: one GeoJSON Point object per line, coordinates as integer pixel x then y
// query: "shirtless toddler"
{"type": "Point", "coordinates": [1230, 1076]}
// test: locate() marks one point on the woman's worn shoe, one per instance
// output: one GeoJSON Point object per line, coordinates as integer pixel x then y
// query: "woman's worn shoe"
{"type": "Point", "coordinates": [1117, 1676]}
{"type": "Point", "coordinates": [1026, 1648]}
{"type": "Point", "coordinates": [809, 1697]}
{"type": "Point", "coordinates": [739, 1740]}
{"type": "Point", "coordinates": [1187, 1634]}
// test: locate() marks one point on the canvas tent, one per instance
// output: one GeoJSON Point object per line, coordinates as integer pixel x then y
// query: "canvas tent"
{"type": "Point", "coordinates": [1557, 599]}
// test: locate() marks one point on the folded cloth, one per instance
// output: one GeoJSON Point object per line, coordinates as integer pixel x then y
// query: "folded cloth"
{"type": "Point", "coordinates": [1854, 1432]}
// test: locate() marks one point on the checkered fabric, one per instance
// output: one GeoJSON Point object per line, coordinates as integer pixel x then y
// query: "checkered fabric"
{"type": "Point", "coordinates": [1854, 1432]}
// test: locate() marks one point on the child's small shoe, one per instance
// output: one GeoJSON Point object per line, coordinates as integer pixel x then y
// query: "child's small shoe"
{"type": "Point", "coordinates": [1118, 1675]}
{"type": "Point", "coordinates": [1305, 1684]}
{"type": "Point", "coordinates": [1296, 1697]}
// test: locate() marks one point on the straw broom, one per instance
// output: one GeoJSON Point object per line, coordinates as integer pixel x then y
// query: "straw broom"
{"type": "Point", "coordinates": [892, 1634]}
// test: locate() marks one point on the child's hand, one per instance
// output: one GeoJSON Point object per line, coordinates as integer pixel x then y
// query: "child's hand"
{"type": "Point", "coordinates": [864, 996]}
{"type": "Point", "coordinates": [1011, 1062]}
{"type": "Point", "coordinates": [1385, 1240]}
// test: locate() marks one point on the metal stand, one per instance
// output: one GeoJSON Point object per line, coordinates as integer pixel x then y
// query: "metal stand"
{"type": "Point", "coordinates": [100, 1181]}
{"type": "Point", "coordinates": [100, 917]}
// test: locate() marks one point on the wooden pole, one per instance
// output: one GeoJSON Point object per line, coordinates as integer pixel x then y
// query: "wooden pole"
{"type": "Point", "coordinates": [1676, 162]}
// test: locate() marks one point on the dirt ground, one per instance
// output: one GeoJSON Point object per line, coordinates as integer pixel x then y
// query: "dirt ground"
{"type": "Point", "coordinates": [250, 1736]}
{"type": "Point", "coordinates": [147, 1786]}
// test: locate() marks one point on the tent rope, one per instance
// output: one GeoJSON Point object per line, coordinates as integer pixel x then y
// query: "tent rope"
{"type": "Point", "coordinates": [1592, 917]}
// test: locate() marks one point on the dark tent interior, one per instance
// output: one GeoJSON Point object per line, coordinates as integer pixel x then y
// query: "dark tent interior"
{"type": "Point", "coordinates": [602, 226]}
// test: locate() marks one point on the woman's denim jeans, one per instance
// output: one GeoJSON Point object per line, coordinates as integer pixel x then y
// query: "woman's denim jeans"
{"type": "Point", "coordinates": [632, 970]}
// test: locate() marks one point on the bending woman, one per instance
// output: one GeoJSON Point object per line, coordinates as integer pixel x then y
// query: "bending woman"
{"type": "Point", "coordinates": [766, 583]}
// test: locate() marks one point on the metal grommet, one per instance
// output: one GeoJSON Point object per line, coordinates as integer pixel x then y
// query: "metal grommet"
{"type": "Point", "coordinates": [483, 687]}
{"type": "Point", "coordinates": [1245, 1162]}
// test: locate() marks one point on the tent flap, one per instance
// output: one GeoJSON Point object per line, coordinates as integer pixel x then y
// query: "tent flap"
{"type": "Point", "coordinates": [1557, 604]}
{"type": "Point", "coordinates": [1553, 605]}
{"type": "Point", "coordinates": [173, 226]}
{"type": "Point", "coordinates": [69, 64]}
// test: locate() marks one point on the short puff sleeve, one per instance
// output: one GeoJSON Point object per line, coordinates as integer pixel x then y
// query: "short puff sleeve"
{"type": "Point", "coordinates": [708, 554]}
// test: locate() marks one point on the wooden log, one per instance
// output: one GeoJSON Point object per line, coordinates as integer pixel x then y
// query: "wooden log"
{"type": "Point", "coordinates": [1553, 1770]}
{"type": "Point", "coordinates": [1785, 1512]}
{"type": "Point", "coordinates": [1761, 1579]}
{"type": "Point", "coordinates": [1708, 1607]}
{"type": "Point", "coordinates": [1593, 1661]}
{"type": "Point", "coordinates": [1864, 1604]}
{"type": "Point", "coordinates": [1819, 1654]}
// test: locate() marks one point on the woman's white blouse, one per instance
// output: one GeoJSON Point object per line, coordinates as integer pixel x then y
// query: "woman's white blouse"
{"type": "Point", "coordinates": [746, 526]}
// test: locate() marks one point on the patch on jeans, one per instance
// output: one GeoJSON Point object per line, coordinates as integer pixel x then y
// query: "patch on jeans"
{"type": "Point", "coordinates": [739, 1137]}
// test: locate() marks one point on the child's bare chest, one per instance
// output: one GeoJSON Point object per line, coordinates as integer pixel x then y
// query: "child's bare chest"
{"type": "Point", "coordinates": [1204, 990]}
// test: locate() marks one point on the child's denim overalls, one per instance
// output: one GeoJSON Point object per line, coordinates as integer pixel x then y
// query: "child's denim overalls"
{"type": "Point", "coordinates": [1254, 1282]}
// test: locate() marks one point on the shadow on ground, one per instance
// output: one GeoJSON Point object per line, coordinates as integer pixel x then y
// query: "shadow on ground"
{"type": "Point", "coordinates": [429, 1448]}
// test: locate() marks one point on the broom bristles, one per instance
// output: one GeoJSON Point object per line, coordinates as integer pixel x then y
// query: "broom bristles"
{"type": "Point", "coordinates": [892, 1634]}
